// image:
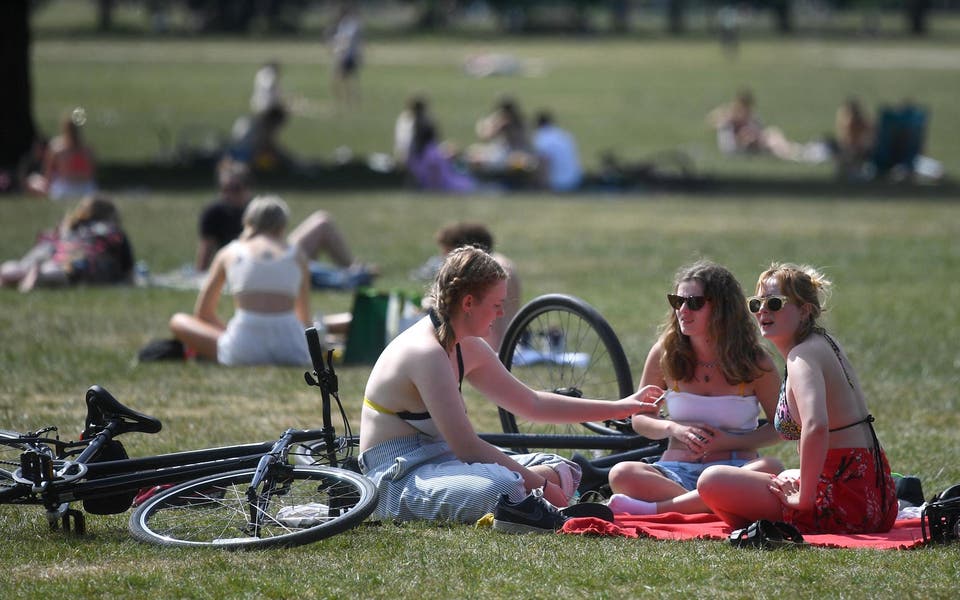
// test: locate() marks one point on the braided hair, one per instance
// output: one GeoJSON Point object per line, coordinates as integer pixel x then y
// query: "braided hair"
{"type": "Point", "coordinates": [467, 270]}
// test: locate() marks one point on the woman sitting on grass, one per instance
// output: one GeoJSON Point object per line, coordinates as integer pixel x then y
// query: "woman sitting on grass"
{"type": "Point", "coordinates": [270, 284]}
{"type": "Point", "coordinates": [88, 247]}
{"type": "Point", "coordinates": [416, 440]}
{"type": "Point", "coordinates": [844, 484]}
{"type": "Point", "coordinates": [715, 377]}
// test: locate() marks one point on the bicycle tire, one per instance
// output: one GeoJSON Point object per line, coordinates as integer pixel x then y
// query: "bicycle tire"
{"type": "Point", "coordinates": [213, 511]}
{"type": "Point", "coordinates": [10, 451]}
{"type": "Point", "coordinates": [562, 344]}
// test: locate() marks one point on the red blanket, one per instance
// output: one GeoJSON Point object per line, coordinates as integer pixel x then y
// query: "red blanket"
{"type": "Point", "coordinates": [675, 526]}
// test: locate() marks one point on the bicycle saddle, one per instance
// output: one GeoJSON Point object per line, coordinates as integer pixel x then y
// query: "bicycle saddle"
{"type": "Point", "coordinates": [103, 408]}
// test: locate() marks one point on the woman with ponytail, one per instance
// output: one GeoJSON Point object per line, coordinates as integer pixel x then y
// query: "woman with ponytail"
{"type": "Point", "coordinates": [416, 440]}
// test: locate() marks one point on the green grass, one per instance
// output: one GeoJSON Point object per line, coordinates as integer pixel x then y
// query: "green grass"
{"type": "Point", "coordinates": [894, 264]}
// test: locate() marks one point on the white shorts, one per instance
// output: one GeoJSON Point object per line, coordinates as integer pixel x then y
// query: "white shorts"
{"type": "Point", "coordinates": [254, 338]}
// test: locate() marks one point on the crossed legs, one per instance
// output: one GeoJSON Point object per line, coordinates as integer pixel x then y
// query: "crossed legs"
{"type": "Point", "coordinates": [644, 482]}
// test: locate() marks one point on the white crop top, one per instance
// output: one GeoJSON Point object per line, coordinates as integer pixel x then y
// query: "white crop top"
{"type": "Point", "coordinates": [734, 414]}
{"type": "Point", "coordinates": [247, 273]}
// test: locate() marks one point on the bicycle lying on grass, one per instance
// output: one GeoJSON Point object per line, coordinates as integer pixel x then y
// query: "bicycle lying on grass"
{"type": "Point", "coordinates": [304, 486]}
{"type": "Point", "coordinates": [243, 496]}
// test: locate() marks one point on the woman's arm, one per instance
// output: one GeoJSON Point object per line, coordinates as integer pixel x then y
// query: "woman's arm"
{"type": "Point", "coordinates": [208, 299]}
{"type": "Point", "coordinates": [653, 426]}
{"type": "Point", "coordinates": [806, 382]}
{"type": "Point", "coordinates": [302, 303]}
{"type": "Point", "coordinates": [431, 374]}
{"type": "Point", "coordinates": [488, 375]}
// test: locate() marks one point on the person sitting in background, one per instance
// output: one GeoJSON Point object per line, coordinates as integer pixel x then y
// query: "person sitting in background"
{"type": "Point", "coordinates": [222, 222]}
{"type": "Point", "coordinates": [413, 116]}
{"type": "Point", "coordinates": [69, 167]}
{"type": "Point", "coordinates": [266, 93]}
{"type": "Point", "coordinates": [844, 484]}
{"type": "Point", "coordinates": [559, 162]}
{"type": "Point", "coordinates": [853, 131]}
{"type": "Point", "coordinates": [270, 283]}
{"type": "Point", "coordinates": [432, 168]}
{"type": "Point", "coordinates": [504, 145]}
{"type": "Point", "coordinates": [740, 131]}
{"type": "Point", "coordinates": [715, 377]}
{"type": "Point", "coordinates": [89, 246]}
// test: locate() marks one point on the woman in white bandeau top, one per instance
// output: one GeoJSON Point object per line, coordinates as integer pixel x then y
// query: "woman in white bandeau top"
{"type": "Point", "coordinates": [270, 283]}
{"type": "Point", "coordinates": [714, 377]}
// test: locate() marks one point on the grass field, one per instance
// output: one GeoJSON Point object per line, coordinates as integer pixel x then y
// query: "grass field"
{"type": "Point", "coordinates": [894, 264]}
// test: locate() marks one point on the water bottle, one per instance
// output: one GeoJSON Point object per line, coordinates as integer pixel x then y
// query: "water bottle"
{"type": "Point", "coordinates": [141, 273]}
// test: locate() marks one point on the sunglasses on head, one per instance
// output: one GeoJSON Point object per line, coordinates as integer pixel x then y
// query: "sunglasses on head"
{"type": "Point", "coordinates": [692, 302]}
{"type": "Point", "coordinates": [772, 303]}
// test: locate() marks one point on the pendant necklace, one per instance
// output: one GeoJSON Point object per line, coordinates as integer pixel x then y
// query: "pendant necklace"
{"type": "Point", "coordinates": [706, 365]}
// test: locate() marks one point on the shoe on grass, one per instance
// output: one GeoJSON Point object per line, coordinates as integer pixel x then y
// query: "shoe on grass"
{"type": "Point", "coordinates": [533, 514]}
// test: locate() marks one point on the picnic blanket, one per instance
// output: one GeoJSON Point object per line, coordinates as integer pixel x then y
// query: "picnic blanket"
{"type": "Point", "coordinates": [905, 534]}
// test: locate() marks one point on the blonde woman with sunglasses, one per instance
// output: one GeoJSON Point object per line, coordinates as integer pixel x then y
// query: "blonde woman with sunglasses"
{"type": "Point", "coordinates": [714, 378]}
{"type": "Point", "coordinates": [844, 483]}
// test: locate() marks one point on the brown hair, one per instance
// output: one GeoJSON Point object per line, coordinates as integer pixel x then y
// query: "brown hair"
{"type": "Point", "coordinates": [91, 209]}
{"type": "Point", "coordinates": [805, 286]}
{"type": "Point", "coordinates": [466, 270]}
{"type": "Point", "coordinates": [731, 329]}
{"type": "Point", "coordinates": [465, 233]}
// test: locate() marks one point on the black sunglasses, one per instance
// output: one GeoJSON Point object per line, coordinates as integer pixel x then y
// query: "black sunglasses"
{"type": "Point", "coordinates": [692, 302]}
{"type": "Point", "coordinates": [772, 303]}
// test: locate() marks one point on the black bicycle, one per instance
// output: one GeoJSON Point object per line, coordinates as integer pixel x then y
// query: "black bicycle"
{"type": "Point", "coordinates": [562, 344]}
{"type": "Point", "coordinates": [244, 496]}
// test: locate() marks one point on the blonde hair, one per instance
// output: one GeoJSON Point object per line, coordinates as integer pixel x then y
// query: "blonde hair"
{"type": "Point", "coordinates": [265, 214]}
{"type": "Point", "coordinates": [731, 328]}
{"type": "Point", "coordinates": [467, 270]}
{"type": "Point", "coordinates": [805, 286]}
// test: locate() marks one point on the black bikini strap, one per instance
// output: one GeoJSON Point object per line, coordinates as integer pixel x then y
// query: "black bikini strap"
{"type": "Point", "coordinates": [836, 350]}
{"type": "Point", "coordinates": [460, 367]}
{"type": "Point", "coordinates": [866, 419]}
{"type": "Point", "coordinates": [435, 319]}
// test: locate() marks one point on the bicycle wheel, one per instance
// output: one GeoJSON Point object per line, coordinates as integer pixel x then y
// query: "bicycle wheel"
{"type": "Point", "coordinates": [10, 451]}
{"type": "Point", "coordinates": [561, 344]}
{"type": "Point", "coordinates": [295, 505]}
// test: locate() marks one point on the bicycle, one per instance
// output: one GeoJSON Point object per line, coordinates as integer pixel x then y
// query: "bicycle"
{"type": "Point", "coordinates": [562, 344]}
{"type": "Point", "coordinates": [240, 497]}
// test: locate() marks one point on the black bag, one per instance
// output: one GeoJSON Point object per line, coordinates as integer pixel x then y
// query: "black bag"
{"type": "Point", "coordinates": [940, 520]}
{"type": "Point", "coordinates": [171, 349]}
{"type": "Point", "coordinates": [118, 503]}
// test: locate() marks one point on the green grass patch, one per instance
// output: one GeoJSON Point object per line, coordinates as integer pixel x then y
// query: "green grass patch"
{"type": "Point", "coordinates": [894, 264]}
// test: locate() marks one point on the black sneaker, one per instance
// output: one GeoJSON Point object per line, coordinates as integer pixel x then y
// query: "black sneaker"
{"type": "Point", "coordinates": [533, 514]}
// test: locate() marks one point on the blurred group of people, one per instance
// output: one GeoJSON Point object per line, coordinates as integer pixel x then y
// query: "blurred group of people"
{"type": "Point", "coordinates": [853, 145]}
{"type": "Point", "coordinates": [507, 151]}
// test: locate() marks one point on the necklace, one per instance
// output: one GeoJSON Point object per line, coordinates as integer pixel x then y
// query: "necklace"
{"type": "Point", "coordinates": [706, 365]}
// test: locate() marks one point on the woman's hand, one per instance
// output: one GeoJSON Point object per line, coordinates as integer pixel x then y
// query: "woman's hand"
{"type": "Point", "coordinates": [787, 489]}
{"type": "Point", "coordinates": [698, 438]}
{"type": "Point", "coordinates": [644, 401]}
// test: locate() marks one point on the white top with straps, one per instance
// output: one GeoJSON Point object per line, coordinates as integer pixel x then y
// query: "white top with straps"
{"type": "Point", "coordinates": [248, 273]}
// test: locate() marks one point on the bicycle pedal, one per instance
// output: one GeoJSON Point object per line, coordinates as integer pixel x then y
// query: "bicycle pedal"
{"type": "Point", "coordinates": [36, 467]}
